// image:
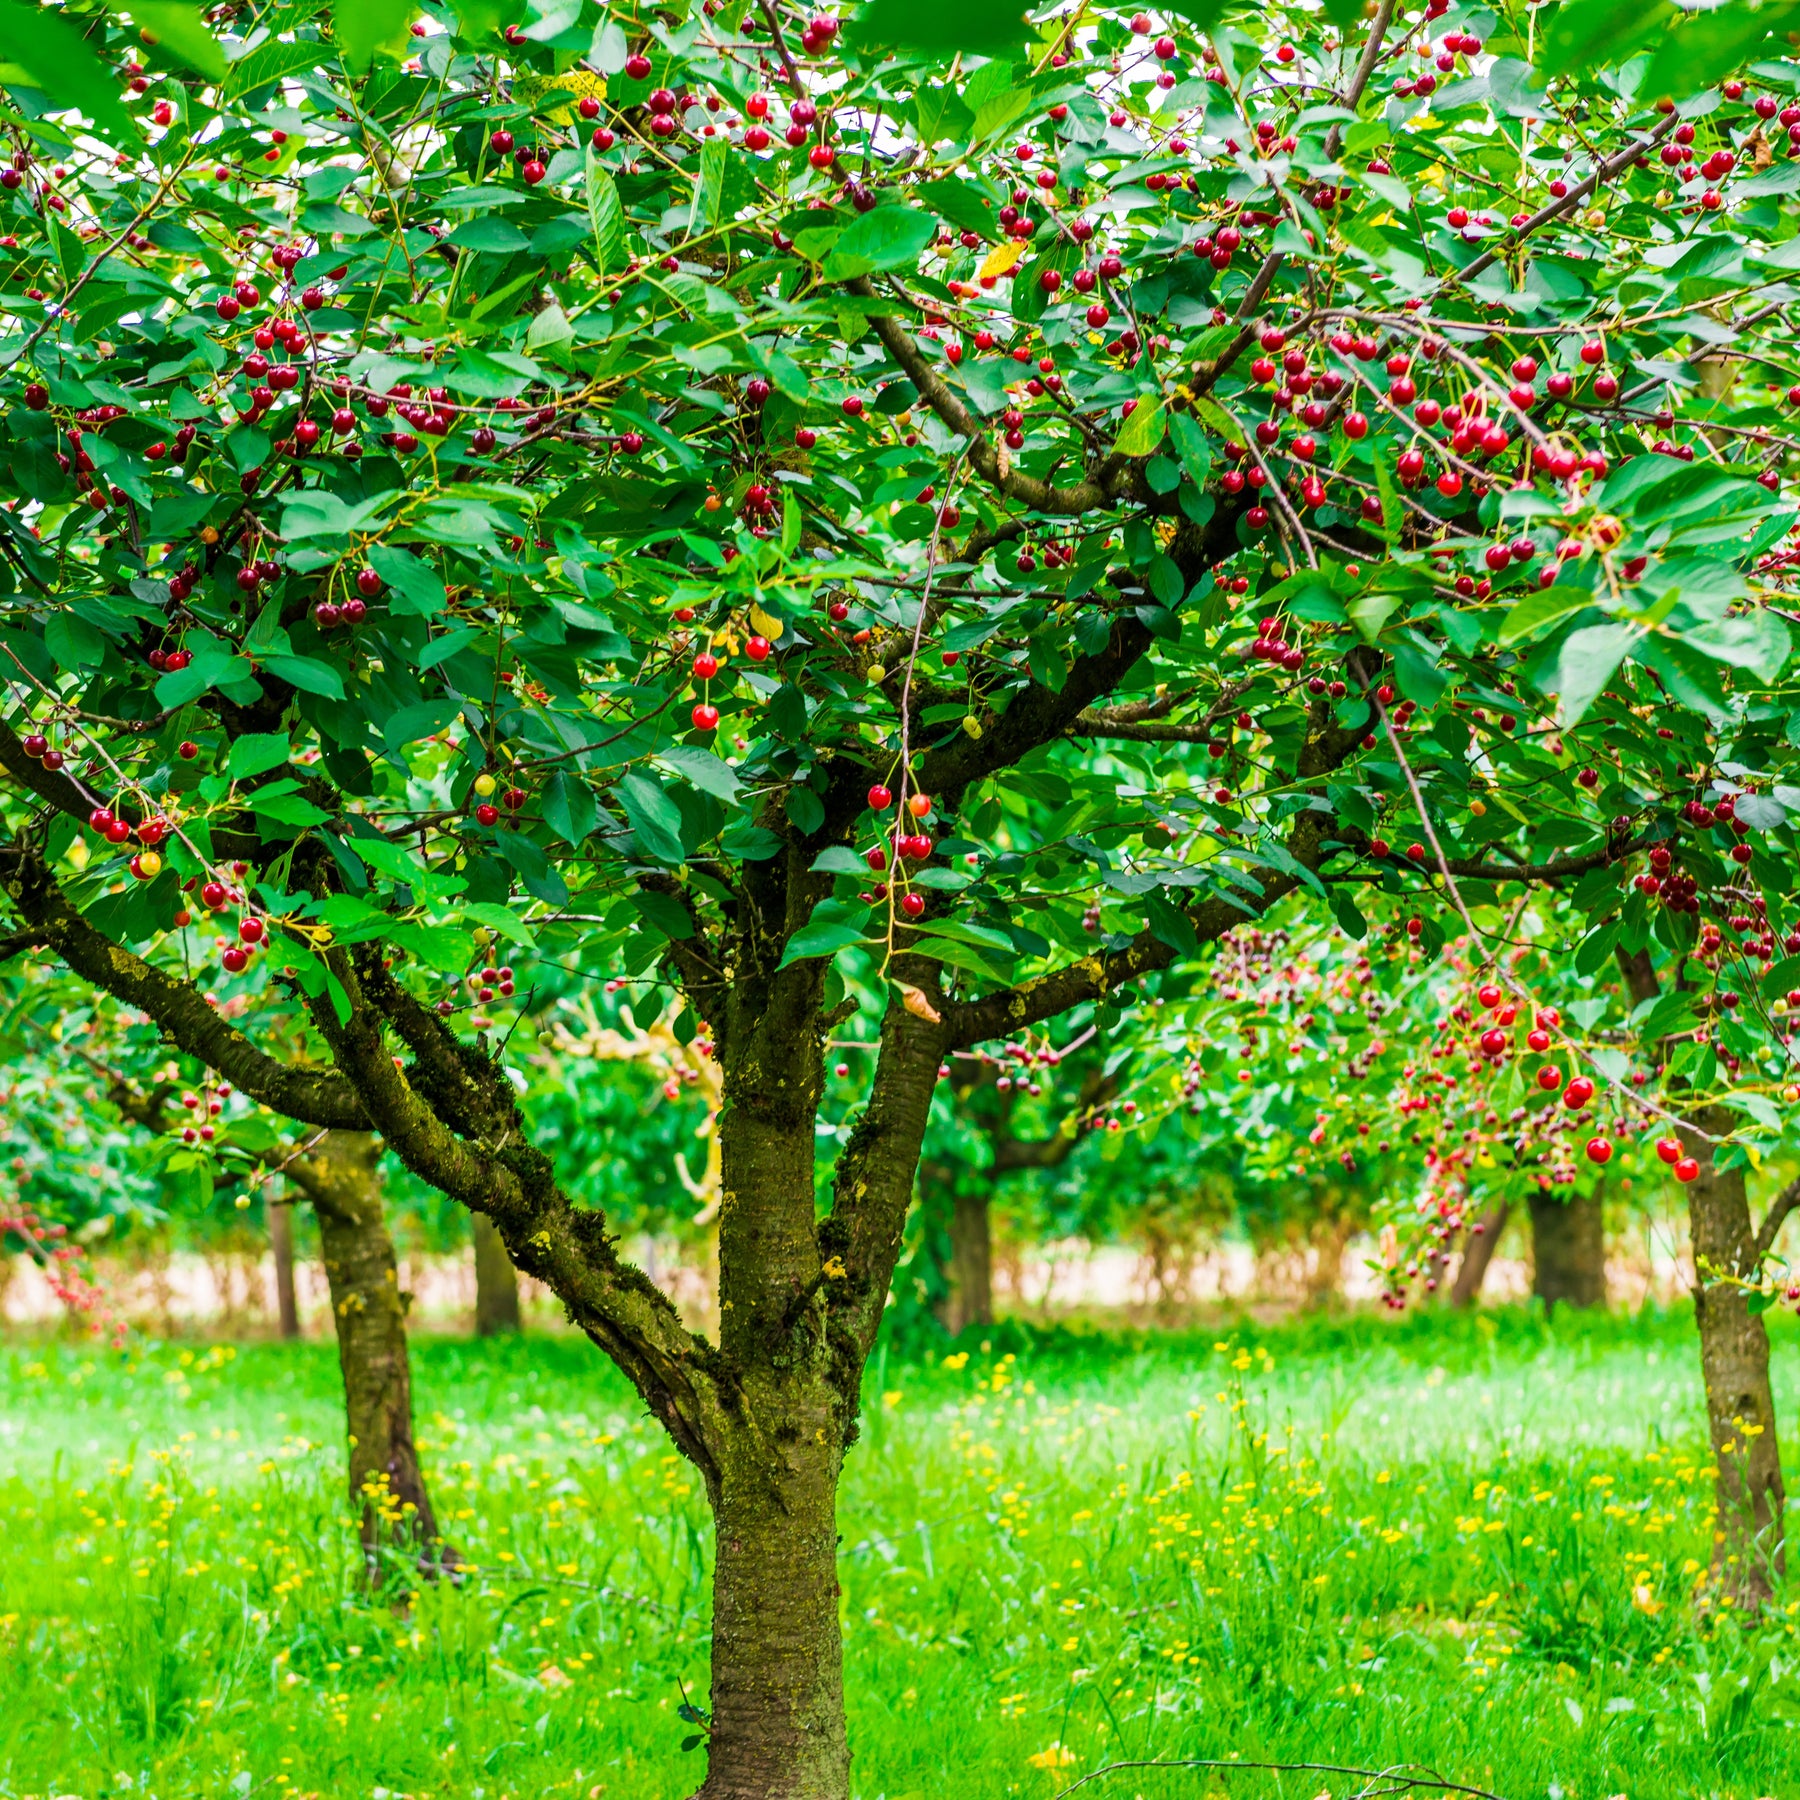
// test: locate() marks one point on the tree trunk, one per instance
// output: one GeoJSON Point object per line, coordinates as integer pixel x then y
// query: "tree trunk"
{"type": "Point", "coordinates": [369, 1310]}
{"type": "Point", "coordinates": [1568, 1250]}
{"type": "Point", "coordinates": [1748, 1497]}
{"type": "Point", "coordinates": [970, 1300]}
{"type": "Point", "coordinates": [1478, 1252]}
{"type": "Point", "coordinates": [777, 1730]}
{"type": "Point", "coordinates": [1734, 1359]}
{"type": "Point", "coordinates": [496, 1281]}
{"type": "Point", "coordinates": [281, 1243]}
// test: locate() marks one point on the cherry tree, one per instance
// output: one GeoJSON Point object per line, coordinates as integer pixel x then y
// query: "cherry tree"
{"type": "Point", "coordinates": [919, 517]}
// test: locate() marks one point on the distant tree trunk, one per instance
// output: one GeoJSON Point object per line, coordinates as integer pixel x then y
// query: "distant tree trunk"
{"type": "Point", "coordinates": [970, 1299]}
{"type": "Point", "coordinates": [281, 1243]}
{"type": "Point", "coordinates": [496, 1282]}
{"type": "Point", "coordinates": [342, 1180]}
{"type": "Point", "coordinates": [1478, 1251]}
{"type": "Point", "coordinates": [1568, 1250]}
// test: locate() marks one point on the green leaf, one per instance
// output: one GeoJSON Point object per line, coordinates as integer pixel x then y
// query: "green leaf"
{"type": "Point", "coordinates": [182, 34]}
{"type": "Point", "coordinates": [1585, 664]}
{"type": "Point", "coordinates": [570, 809]}
{"type": "Point", "coordinates": [286, 809]}
{"type": "Point", "coordinates": [1195, 451]}
{"type": "Point", "coordinates": [362, 27]}
{"type": "Point", "coordinates": [498, 918]}
{"type": "Point", "coordinates": [1541, 607]}
{"type": "Point", "coordinates": [709, 183]}
{"type": "Point", "coordinates": [820, 938]}
{"type": "Point", "coordinates": [417, 589]}
{"type": "Point", "coordinates": [74, 643]}
{"type": "Point", "coordinates": [944, 25]}
{"type": "Point", "coordinates": [1586, 35]}
{"type": "Point", "coordinates": [498, 236]}
{"type": "Point", "coordinates": [1370, 610]}
{"type": "Point", "coordinates": [306, 673]}
{"type": "Point", "coordinates": [1708, 45]}
{"type": "Point", "coordinates": [707, 772]}
{"type": "Point", "coordinates": [256, 753]}
{"type": "Point", "coordinates": [890, 237]}
{"type": "Point", "coordinates": [606, 214]}
{"type": "Point", "coordinates": [533, 867]}
{"type": "Point", "coordinates": [408, 724]}
{"type": "Point", "coordinates": [665, 913]}
{"type": "Point", "coordinates": [1758, 640]}
{"type": "Point", "coordinates": [1143, 431]}
{"type": "Point", "coordinates": [654, 818]}
{"type": "Point", "coordinates": [56, 58]}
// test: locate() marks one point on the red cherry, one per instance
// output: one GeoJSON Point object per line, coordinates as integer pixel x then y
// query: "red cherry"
{"type": "Point", "coordinates": [1549, 1079]}
{"type": "Point", "coordinates": [706, 718]}
{"type": "Point", "coordinates": [1599, 1150]}
{"type": "Point", "coordinates": [368, 583]}
{"type": "Point", "coordinates": [757, 649]}
{"type": "Point", "coordinates": [706, 666]}
{"type": "Point", "coordinates": [912, 904]}
{"type": "Point", "coordinates": [880, 799]}
{"type": "Point", "coordinates": [1578, 1093]}
{"type": "Point", "coordinates": [236, 959]}
{"type": "Point", "coordinates": [1687, 1169]}
{"type": "Point", "coordinates": [487, 814]}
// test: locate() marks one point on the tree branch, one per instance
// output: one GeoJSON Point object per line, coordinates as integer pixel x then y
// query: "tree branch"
{"type": "Point", "coordinates": [548, 1238]}
{"type": "Point", "coordinates": [1773, 1220]}
{"type": "Point", "coordinates": [69, 796]}
{"type": "Point", "coordinates": [312, 1096]}
{"type": "Point", "coordinates": [1119, 478]}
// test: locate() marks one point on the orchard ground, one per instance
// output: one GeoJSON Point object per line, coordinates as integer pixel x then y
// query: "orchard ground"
{"type": "Point", "coordinates": [1469, 1542]}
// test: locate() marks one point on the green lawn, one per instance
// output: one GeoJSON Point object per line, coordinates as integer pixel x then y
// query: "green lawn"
{"type": "Point", "coordinates": [1467, 1543]}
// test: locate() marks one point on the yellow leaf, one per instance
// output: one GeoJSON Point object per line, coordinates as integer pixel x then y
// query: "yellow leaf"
{"type": "Point", "coordinates": [1000, 259]}
{"type": "Point", "coordinates": [764, 624]}
{"type": "Point", "coordinates": [579, 83]}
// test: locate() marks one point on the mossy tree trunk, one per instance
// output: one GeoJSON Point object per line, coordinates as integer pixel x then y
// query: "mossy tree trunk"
{"type": "Point", "coordinates": [1749, 1497]}
{"type": "Point", "coordinates": [496, 1281]}
{"type": "Point", "coordinates": [341, 1177]}
{"type": "Point", "coordinates": [1734, 1359]}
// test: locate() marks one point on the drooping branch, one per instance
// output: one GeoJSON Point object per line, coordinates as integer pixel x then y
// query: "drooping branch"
{"type": "Point", "coordinates": [503, 1175]}
{"type": "Point", "coordinates": [311, 1096]}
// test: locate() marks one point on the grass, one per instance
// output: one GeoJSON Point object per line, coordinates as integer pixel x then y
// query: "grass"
{"type": "Point", "coordinates": [1463, 1542]}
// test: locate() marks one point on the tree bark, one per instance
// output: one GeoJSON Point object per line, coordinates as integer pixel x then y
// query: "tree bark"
{"type": "Point", "coordinates": [970, 1300]}
{"type": "Point", "coordinates": [1568, 1250]}
{"type": "Point", "coordinates": [1478, 1252]}
{"type": "Point", "coordinates": [777, 1729]}
{"type": "Point", "coordinates": [496, 1281]}
{"type": "Point", "coordinates": [386, 1484]}
{"type": "Point", "coordinates": [281, 1243]}
{"type": "Point", "coordinates": [1734, 1359]}
{"type": "Point", "coordinates": [1748, 1495]}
